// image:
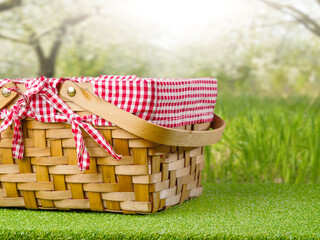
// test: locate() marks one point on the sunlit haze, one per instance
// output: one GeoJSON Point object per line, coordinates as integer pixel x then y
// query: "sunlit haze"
{"type": "Point", "coordinates": [180, 20]}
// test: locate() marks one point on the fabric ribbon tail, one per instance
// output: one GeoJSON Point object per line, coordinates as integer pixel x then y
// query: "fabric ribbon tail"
{"type": "Point", "coordinates": [99, 138]}
{"type": "Point", "coordinates": [17, 141]}
{"type": "Point", "coordinates": [6, 123]}
{"type": "Point", "coordinates": [84, 160]}
{"type": "Point", "coordinates": [82, 152]}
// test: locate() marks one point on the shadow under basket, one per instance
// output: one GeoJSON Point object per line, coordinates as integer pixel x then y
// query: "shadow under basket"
{"type": "Point", "coordinates": [160, 167]}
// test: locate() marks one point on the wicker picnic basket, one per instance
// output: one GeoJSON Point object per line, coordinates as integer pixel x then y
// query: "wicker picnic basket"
{"type": "Point", "coordinates": [160, 167]}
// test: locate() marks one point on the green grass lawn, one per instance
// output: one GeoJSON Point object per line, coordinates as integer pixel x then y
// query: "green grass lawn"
{"type": "Point", "coordinates": [224, 211]}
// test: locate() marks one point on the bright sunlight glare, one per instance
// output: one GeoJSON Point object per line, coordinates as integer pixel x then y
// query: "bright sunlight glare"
{"type": "Point", "coordinates": [182, 13]}
{"type": "Point", "coordinates": [189, 18]}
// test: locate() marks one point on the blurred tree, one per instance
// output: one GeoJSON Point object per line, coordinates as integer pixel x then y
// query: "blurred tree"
{"type": "Point", "coordinates": [301, 17]}
{"type": "Point", "coordinates": [9, 4]}
{"type": "Point", "coordinates": [33, 38]}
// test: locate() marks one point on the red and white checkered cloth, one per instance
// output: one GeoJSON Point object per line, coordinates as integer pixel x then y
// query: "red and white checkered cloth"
{"type": "Point", "coordinates": [165, 102]}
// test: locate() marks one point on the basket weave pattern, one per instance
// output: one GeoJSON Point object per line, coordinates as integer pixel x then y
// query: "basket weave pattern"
{"type": "Point", "coordinates": [148, 178]}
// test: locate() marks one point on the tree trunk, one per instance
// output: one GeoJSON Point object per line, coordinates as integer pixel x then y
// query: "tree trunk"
{"type": "Point", "coordinates": [9, 4]}
{"type": "Point", "coordinates": [47, 68]}
{"type": "Point", "coordinates": [47, 64]}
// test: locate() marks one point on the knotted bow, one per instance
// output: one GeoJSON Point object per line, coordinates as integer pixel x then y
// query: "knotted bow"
{"type": "Point", "coordinates": [20, 110]}
{"type": "Point", "coordinates": [16, 114]}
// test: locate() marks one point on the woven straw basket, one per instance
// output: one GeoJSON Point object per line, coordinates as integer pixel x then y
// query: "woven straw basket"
{"type": "Point", "coordinates": [160, 167]}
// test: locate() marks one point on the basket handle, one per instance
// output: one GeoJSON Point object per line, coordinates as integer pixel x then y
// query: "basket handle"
{"type": "Point", "coordinates": [5, 100]}
{"type": "Point", "coordinates": [139, 126]}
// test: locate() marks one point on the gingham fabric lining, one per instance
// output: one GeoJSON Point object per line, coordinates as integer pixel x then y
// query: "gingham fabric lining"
{"type": "Point", "coordinates": [165, 102]}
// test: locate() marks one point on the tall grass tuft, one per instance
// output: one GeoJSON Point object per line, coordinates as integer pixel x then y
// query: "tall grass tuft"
{"type": "Point", "coordinates": [266, 140]}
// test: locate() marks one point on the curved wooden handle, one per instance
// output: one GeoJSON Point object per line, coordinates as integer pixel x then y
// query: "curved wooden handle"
{"type": "Point", "coordinates": [5, 101]}
{"type": "Point", "coordinates": [140, 127]}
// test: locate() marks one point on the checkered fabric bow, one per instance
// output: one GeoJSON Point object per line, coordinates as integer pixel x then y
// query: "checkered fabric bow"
{"type": "Point", "coordinates": [20, 109]}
